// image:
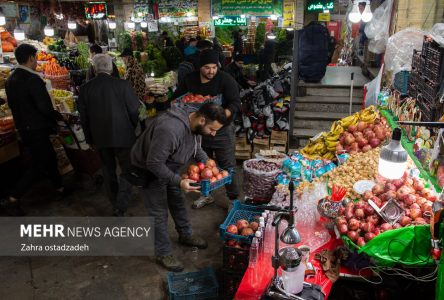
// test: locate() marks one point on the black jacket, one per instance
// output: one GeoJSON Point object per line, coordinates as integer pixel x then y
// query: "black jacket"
{"type": "Point", "coordinates": [109, 112]}
{"type": "Point", "coordinates": [236, 73]}
{"type": "Point", "coordinates": [29, 101]}
{"type": "Point", "coordinates": [91, 73]}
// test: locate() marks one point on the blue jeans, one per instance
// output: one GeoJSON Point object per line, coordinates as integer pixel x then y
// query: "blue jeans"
{"type": "Point", "coordinates": [159, 197]}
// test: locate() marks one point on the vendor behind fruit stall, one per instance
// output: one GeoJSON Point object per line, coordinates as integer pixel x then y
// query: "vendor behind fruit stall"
{"type": "Point", "coordinates": [209, 80]}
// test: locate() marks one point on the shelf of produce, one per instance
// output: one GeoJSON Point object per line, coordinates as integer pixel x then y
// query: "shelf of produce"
{"type": "Point", "coordinates": [408, 146]}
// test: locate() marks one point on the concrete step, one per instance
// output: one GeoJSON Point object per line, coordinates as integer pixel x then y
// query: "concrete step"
{"type": "Point", "coordinates": [320, 121]}
{"type": "Point", "coordinates": [327, 104]}
{"type": "Point", "coordinates": [334, 91]}
{"type": "Point", "coordinates": [303, 133]}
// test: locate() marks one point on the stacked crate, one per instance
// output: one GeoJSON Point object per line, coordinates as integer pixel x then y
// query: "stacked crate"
{"type": "Point", "coordinates": [243, 149]}
{"type": "Point", "coordinates": [425, 78]}
{"type": "Point", "coordinates": [279, 141]}
{"type": "Point", "coordinates": [260, 144]}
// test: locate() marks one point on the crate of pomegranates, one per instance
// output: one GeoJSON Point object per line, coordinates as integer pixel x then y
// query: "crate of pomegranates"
{"type": "Point", "coordinates": [241, 223]}
{"type": "Point", "coordinates": [209, 176]}
{"type": "Point", "coordinates": [390, 223]}
{"type": "Point", "coordinates": [195, 101]}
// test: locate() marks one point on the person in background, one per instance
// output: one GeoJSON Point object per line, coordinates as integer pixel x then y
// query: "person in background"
{"type": "Point", "coordinates": [267, 58]}
{"type": "Point", "coordinates": [209, 80]}
{"type": "Point", "coordinates": [191, 49]}
{"type": "Point", "coordinates": [181, 44]}
{"type": "Point", "coordinates": [93, 50]}
{"type": "Point", "coordinates": [134, 74]}
{"type": "Point", "coordinates": [166, 41]}
{"type": "Point", "coordinates": [109, 114]}
{"type": "Point", "coordinates": [191, 62]}
{"type": "Point", "coordinates": [218, 48]}
{"type": "Point", "coordinates": [238, 42]}
{"type": "Point", "coordinates": [201, 46]}
{"type": "Point", "coordinates": [35, 120]}
{"type": "Point", "coordinates": [235, 70]}
{"type": "Point", "coordinates": [168, 143]}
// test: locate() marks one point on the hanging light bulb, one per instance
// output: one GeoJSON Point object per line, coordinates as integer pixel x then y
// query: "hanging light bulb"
{"type": "Point", "coordinates": [131, 25]}
{"type": "Point", "coordinates": [19, 34]}
{"type": "Point", "coordinates": [48, 30]}
{"type": "Point", "coordinates": [355, 16]}
{"type": "Point", "coordinates": [367, 13]}
{"type": "Point", "coordinates": [72, 25]}
{"type": "Point", "coordinates": [215, 17]}
{"type": "Point", "coordinates": [112, 25]}
{"type": "Point", "coordinates": [271, 36]}
{"type": "Point", "coordinates": [393, 158]}
{"type": "Point", "coordinates": [2, 19]}
{"type": "Point", "coordinates": [143, 24]}
{"type": "Point", "coordinates": [273, 17]}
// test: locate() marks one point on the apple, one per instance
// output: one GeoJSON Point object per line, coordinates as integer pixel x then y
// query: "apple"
{"type": "Point", "coordinates": [232, 229]}
{"type": "Point", "coordinates": [201, 165]}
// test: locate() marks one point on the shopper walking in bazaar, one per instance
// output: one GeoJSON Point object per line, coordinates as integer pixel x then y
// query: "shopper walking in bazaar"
{"type": "Point", "coordinates": [209, 80]}
{"type": "Point", "coordinates": [109, 112]}
{"type": "Point", "coordinates": [235, 70]}
{"type": "Point", "coordinates": [93, 50]}
{"type": "Point", "coordinates": [168, 143]}
{"type": "Point", "coordinates": [35, 120]}
{"type": "Point", "coordinates": [134, 73]}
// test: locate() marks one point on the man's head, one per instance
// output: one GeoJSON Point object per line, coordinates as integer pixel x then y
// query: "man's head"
{"type": "Point", "coordinates": [239, 60]}
{"type": "Point", "coordinates": [208, 119]}
{"type": "Point", "coordinates": [204, 45]}
{"type": "Point", "coordinates": [209, 60]}
{"type": "Point", "coordinates": [102, 63]}
{"type": "Point", "coordinates": [192, 42]}
{"type": "Point", "coordinates": [95, 49]}
{"type": "Point", "coordinates": [164, 34]}
{"type": "Point", "coordinates": [125, 54]}
{"type": "Point", "coordinates": [26, 56]}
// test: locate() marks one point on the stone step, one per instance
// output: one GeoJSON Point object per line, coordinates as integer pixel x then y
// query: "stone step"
{"type": "Point", "coordinates": [328, 100]}
{"type": "Point", "coordinates": [325, 106]}
{"type": "Point", "coordinates": [334, 92]}
{"type": "Point", "coordinates": [320, 121]}
{"type": "Point", "coordinates": [303, 133]}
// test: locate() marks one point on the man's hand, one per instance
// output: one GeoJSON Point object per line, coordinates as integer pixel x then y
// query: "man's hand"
{"type": "Point", "coordinates": [185, 185]}
{"type": "Point", "coordinates": [251, 82]}
{"type": "Point", "coordinates": [228, 113]}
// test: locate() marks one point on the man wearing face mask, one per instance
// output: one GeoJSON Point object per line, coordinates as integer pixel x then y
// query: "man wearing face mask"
{"type": "Point", "coordinates": [209, 80]}
{"type": "Point", "coordinates": [168, 143]}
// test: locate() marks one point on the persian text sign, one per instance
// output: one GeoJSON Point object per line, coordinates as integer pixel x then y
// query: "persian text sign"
{"type": "Point", "coordinates": [177, 8]}
{"type": "Point", "coordinates": [246, 7]}
{"type": "Point", "coordinates": [76, 236]}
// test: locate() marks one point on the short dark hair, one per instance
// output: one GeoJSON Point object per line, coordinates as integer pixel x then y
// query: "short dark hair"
{"type": "Point", "coordinates": [24, 52]}
{"type": "Point", "coordinates": [95, 49]}
{"type": "Point", "coordinates": [204, 44]}
{"type": "Point", "coordinates": [192, 40]}
{"type": "Point", "coordinates": [213, 112]}
{"type": "Point", "coordinates": [164, 33]}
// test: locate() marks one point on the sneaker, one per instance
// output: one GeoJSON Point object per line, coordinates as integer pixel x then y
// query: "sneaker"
{"type": "Point", "coordinates": [202, 201]}
{"type": "Point", "coordinates": [193, 241]}
{"type": "Point", "coordinates": [170, 263]}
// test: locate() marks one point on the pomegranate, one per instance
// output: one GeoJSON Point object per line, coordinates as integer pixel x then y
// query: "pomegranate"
{"type": "Point", "coordinates": [193, 169]}
{"type": "Point", "coordinates": [369, 236]}
{"type": "Point", "coordinates": [366, 148]}
{"type": "Point", "coordinates": [352, 128]}
{"type": "Point", "coordinates": [219, 176]}
{"type": "Point", "coordinates": [405, 221]}
{"type": "Point", "coordinates": [194, 177]}
{"type": "Point", "coordinates": [352, 235]}
{"type": "Point", "coordinates": [353, 224]}
{"type": "Point", "coordinates": [368, 227]}
{"type": "Point", "coordinates": [210, 163]}
{"type": "Point", "coordinates": [241, 224]}
{"type": "Point", "coordinates": [361, 126]}
{"type": "Point", "coordinates": [359, 213]}
{"type": "Point", "coordinates": [342, 228]}
{"type": "Point", "coordinates": [215, 171]}
{"type": "Point", "coordinates": [368, 210]}
{"type": "Point", "coordinates": [254, 226]}
{"type": "Point", "coordinates": [374, 142]}
{"type": "Point", "coordinates": [367, 195]}
{"type": "Point", "coordinates": [247, 231]}
{"type": "Point", "coordinates": [385, 227]}
{"type": "Point", "coordinates": [418, 185]}
{"type": "Point", "coordinates": [201, 165]}
{"type": "Point", "coordinates": [378, 189]}
{"type": "Point", "coordinates": [360, 241]}
{"type": "Point", "coordinates": [415, 213]}
{"type": "Point", "coordinates": [206, 173]}
{"type": "Point", "coordinates": [372, 219]}
{"type": "Point", "coordinates": [232, 229]}
{"type": "Point", "coordinates": [213, 179]}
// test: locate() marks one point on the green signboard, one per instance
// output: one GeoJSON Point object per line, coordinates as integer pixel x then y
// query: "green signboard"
{"type": "Point", "coordinates": [259, 8]}
{"type": "Point", "coordinates": [177, 8]}
{"type": "Point", "coordinates": [231, 21]}
{"type": "Point", "coordinates": [316, 5]}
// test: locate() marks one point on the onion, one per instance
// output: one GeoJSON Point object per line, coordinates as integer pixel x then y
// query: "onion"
{"type": "Point", "coordinates": [359, 213]}
{"type": "Point", "coordinates": [409, 199]}
{"type": "Point", "coordinates": [385, 227]}
{"type": "Point", "coordinates": [360, 241]}
{"type": "Point", "coordinates": [206, 173]}
{"type": "Point", "coordinates": [361, 125]}
{"type": "Point", "coordinates": [377, 201]}
{"type": "Point", "coordinates": [353, 224]}
{"type": "Point", "coordinates": [369, 135]}
{"type": "Point", "coordinates": [378, 189]}
{"type": "Point", "coordinates": [366, 148]}
{"type": "Point", "coordinates": [377, 231]}
{"type": "Point", "coordinates": [339, 148]}
{"type": "Point", "coordinates": [421, 201]}
{"type": "Point", "coordinates": [405, 221]}
{"type": "Point", "coordinates": [415, 213]}
{"type": "Point", "coordinates": [398, 183]}
{"type": "Point", "coordinates": [342, 228]}
{"type": "Point", "coordinates": [415, 205]}
{"type": "Point", "coordinates": [362, 142]}
{"type": "Point", "coordinates": [372, 219]}
{"type": "Point", "coordinates": [340, 220]}
{"type": "Point", "coordinates": [427, 206]}
{"type": "Point", "coordinates": [367, 195]}
{"type": "Point", "coordinates": [352, 235]}
{"type": "Point", "coordinates": [348, 213]}
{"type": "Point", "coordinates": [381, 134]}
{"type": "Point", "coordinates": [368, 210]}
{"type": "Point", "coordinates": [418, 185]}
{"type": "Point", "coordinates": [360, 204]}
{"type": "Point", "coordinates": [390, 187]}
{"type": "Point", "coordinates": [368, 227]}
{"type": "Point", "coordinates": [375, 142]}
{"type": "Point", "coordinates": [369, 236]}
{"type": "Point", "coordinates": [396, 226]}
{"type": "Point", "coordinates": [358, 134]}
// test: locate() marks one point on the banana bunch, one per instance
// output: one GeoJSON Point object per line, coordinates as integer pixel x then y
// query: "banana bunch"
{"type": "Point", "coordinates": [350, 120]}
{"type": "Point", "coordinates": [315, 149]}
{"type": "Point", "coordinates": [48, 41]}
{"type": "Point", "coordinates": [60, 93]}
{"type": "Point", "coordinates": [369, 114]}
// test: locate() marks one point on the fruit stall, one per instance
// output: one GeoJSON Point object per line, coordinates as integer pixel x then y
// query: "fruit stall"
{"type": "Point", "coordinates": [343, 204]}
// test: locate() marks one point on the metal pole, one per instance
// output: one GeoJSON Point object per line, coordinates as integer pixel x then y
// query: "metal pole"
{"type": "Point", "coordinates": [351, 93]}
{"type": "Point", "coordinates": [294, 80]}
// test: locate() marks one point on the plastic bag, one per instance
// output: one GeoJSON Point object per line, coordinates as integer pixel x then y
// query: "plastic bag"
{"type": "Point", "coordinates": [373, 88]}
{"type": "Point", "coordinates": [437, 33]}
{"type": "Point", "coordinates": [399, 52]}
{"type": "Point", "coordinates": [377, 30]}
{"type": "Point", "coordinates": [258, 184]}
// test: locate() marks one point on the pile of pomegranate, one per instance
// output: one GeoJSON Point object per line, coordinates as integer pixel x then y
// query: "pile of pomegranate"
{"type": "Point", "coordinates": [361, 223]}
{"type": "Point", "coordinates": [243, 227]}
{"type": "Point", "coordinates": [207, 171]}
{"type": "Point", "coordinates": [363, 136]}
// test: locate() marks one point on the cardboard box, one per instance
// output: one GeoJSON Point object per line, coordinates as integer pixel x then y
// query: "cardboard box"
{"type": "Point", "coordinates": [279, 135]}
{"type": "Point", "coordinates": [261, 142]}
{"type": "Point", "coordinates": [278, 142]}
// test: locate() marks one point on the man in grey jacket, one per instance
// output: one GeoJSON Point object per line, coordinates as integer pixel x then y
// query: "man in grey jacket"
{"type": "Point", "coordinates": [109, 112]}
{"type": "Point", "coordinates": [166, 145]}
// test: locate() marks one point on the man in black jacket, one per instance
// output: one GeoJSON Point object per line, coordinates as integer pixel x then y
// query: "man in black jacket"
{"type": "Point", "coordinates": [235, 70]}
{"type": "Point", "coordinates": [209, 80]}
{"type": "Point", "coordinates": [109, 111]}
{"type": "Point", "coordinates": [35, 120]}
{"type": "Point", "coordinates": [93, 50]}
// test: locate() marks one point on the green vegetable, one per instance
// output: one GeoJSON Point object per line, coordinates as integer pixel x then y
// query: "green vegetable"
{"type": "Point", "coordinates": [124, 41]}
{"type": "Point", "coordinates": [260, 36]}
{"type": "Point", "coordinates": [172, 56]}
{"type": "Point", "coordinates": [139, 41]}
{"type": "Point", "coordinates": [137, 55]}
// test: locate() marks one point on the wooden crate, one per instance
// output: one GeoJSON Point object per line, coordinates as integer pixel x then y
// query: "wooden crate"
{"type": "Point", "coordinates": [261, 142]}
{"type": "Point", "coordinates": [282, 149]}
{"type": "Point", "coordinates": [243, 154]}
{"type": "Point", "coordinates": [243, 148]}
{"type": "Point", "coordinates": [279, 135]}
{"type": "Point", "coordinates": [241, 141]}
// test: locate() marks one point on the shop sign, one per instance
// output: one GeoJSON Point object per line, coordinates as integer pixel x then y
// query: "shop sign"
{"type": "Point", "coordinates": [177, 8]}
{"type": "Point", "coordinates": [152, 26]}
{"type": "Point", "coordinates": [324, 17]}
{"type": "Point", "coordinates": [259, 8]}
{"type": "Point", "coordinates": [288, 13]}
{"type": "Point", "coordinates": [96, 10]}
{"type": "Point", "coordinates": [315, 5]}
{"type": "Point", "coordinates": [231, 21]}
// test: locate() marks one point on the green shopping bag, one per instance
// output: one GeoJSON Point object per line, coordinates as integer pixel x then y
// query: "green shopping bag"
{"type": "Point", "coordinates": [408, 246]}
